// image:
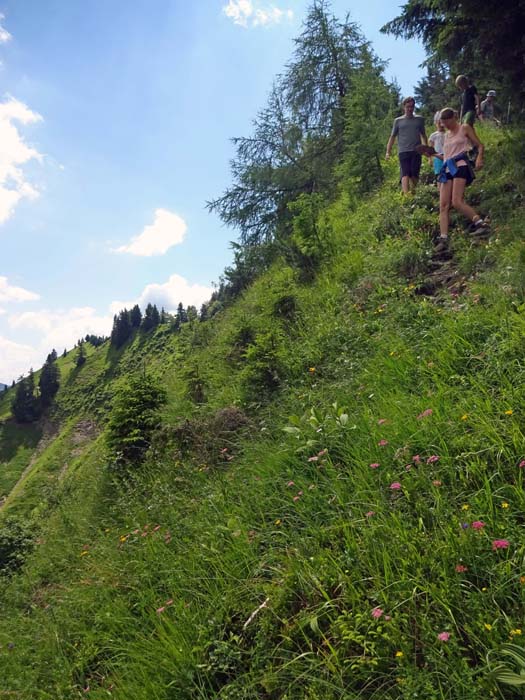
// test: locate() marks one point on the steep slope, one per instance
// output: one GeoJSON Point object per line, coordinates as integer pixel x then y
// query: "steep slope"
{"type": "Point", "coordinates": [333, 504]}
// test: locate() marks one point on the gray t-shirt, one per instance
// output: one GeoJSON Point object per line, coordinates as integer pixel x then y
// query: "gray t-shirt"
{"type": "Point", "coordinates": [408, 131]}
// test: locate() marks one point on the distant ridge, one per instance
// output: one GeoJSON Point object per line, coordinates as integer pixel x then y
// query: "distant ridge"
{"type": "Point", "coordinates": [2, 386]}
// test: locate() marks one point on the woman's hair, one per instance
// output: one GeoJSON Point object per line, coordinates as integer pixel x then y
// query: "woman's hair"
{"type": "Point", "coordinates": [447, 113]}
{"type": "Point", "coordinates": [461, 81]}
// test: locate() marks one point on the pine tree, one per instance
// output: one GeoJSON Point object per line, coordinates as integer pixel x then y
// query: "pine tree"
{"type": "Point", "coordinates": [81, 356]}
{"type": "Point", "coordinates": [135, 316]}
{"type": "Point", "coordinates": [25, 404]}
{"type": "Point", "coordinates": [49, 381]}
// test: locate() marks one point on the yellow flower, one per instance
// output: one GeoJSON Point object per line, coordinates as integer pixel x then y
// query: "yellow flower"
{"type": "Point", "coordinates": [83, 554]}
{"type": "Point", "coordinates": [465, 506]}
{"type": "Point", "coordinates": [484, 588]}
{"type": "Point", "coordinates": [123, 538]}
{"type": "Point", "coordinates": [504, 504]}
{"type": "Point", "coordinates": [487, 626]}
{"type": "Point", "coordinates": [392, 353]}
{"type": "Point", "coordinates": [515, 633]}
{"type": "Point", "coordinates": [399, 654]}
{"type": "Point", "coordinates": [464, 416]}
{"type": "Point", "coordinates": [311, 370]}
{"type": "Point", "coordinates": [278, 521]}
{"type": "Point", "coordinates": [509, 412]}
{"type": "Point", "coordinates": [522, 580]}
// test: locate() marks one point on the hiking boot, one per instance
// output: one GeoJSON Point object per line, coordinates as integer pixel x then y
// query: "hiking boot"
{"type": "Point", "coordinates": [441, 245]}
{"type": "Point", "coordinates": [479, 228]}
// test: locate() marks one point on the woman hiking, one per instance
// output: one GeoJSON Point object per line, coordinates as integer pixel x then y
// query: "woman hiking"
{"type": "Point", "coordinates": [456, 173]}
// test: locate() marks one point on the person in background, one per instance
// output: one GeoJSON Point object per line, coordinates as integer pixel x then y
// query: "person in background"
{"type": "Point", "coordinates": [409, 129]}
{"type": "Point", "coordinates": [487, 109]}
{"type": "Point", "coordinates": [469, 100]}
{"type": "Point", "coordinates": [456, 175]}
{"type": "Point", "coordinates": [437, 141]}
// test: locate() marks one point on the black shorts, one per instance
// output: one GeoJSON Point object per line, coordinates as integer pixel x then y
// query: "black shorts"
{"type": "Point", "coordinates": [464, 172]}
{"type": "Point", "coordinates": [410, 164]}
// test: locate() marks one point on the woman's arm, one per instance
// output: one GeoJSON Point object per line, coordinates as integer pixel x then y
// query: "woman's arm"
{"type": "Point", "coordinates": [473, 138]}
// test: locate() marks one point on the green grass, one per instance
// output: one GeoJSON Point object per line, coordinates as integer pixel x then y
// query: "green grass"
{"type": "Point", "coordinates": [287, 567]}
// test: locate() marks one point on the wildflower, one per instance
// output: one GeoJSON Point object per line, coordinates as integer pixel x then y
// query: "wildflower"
{"type": "Point", "coordinates": [432, 459]}
{"type": "Point", "coordinates": [322, 453]}
{"type": "Point", "coordinates": [372, 512]}
{"type": "Point", "coordinates": [311, 370]}
{"type": "Point", "coordinates": [504, 504]}
{"type": "Point", "coordinates": [464, 416]}
{"type": "Point", "coordinates": [465, 506]}
{"type": "Point", "coordinates": [443, 636]}
{"type": "Point", "coordinates": [522, 580]}
{"type": "Point", "coordinates": [399, 654]}
{"type": "Point", "coordinates": [464, 526]}
{"type": "Point", "coordinates": [408, 467]}
{"type": "Point", "coordinates": [478, 525]}
{"type": "Point", "coordinates": [377, 612]}
{"type": "Point", "coordinates": [374, 465]}
{"type": "Point", "coordinates": [169, 602]}
{"type": "Point", "coordinates": [395, 486]}
{"type": "Point", "coordinates": [522, 463]}
{"type": "Point", "coordinates": [83, 553]}
{"type": "Point", "coordinates": [487, 626]}
{"type": "Point", "coordinates": [425, 413]}
{"type": "Point", "coordinates": [291, 483]}
{"type": "Point", "coordinates": [509, 412]}
{"type": "Point", "coordinates": [296, 498]}
{"type": "Point", "coordinates": [278, 522]}
{"type": "Point", "coordinates": [313, 459]}
{"type": "Point", "coordinates": [500, 544]}
{"type": "Point", "coordinates": [123, 538]}
{"type": "Point", "coordinates": [157, 527]}
{"type": "Point", "coordinates": [382, 443]}
{"type": "Point", "coordinates": [461, 568]}
{"type": "Point", "coordinates": [437, 482]}
{"type": "Point", "coordinates": [381, 421]}
{"type": "Point", "coordinates": [387, 618]}
{"type": "Point", "coordinates": [515, 633]}
{"type": "Point", "coordinates": [416, 459]}
{"type": "Point", "coordinates": [160, 610]}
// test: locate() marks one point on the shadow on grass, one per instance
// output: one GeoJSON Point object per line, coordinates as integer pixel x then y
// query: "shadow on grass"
{"type": "Point", "coordinates": [13, 436]}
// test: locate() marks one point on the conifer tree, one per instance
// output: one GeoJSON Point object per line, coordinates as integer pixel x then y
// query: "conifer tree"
{"type": "Point", "coordinates": [135, 316]}
{"type": "Point", "coordinates": [25, 404]}
{"type": "Point", "coordinates": [49, 381]}
{"type": "Point", "coordinates": [81, 356]}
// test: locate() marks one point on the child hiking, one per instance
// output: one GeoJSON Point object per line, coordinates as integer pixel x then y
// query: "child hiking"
{"type": "Point", "coordinates": [456, 173]}
{"type": "Point", "coordinates": [437, 141]}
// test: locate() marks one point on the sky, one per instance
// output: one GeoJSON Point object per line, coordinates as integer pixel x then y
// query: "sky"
{"type": "Point", "coordinates": [116, 121]}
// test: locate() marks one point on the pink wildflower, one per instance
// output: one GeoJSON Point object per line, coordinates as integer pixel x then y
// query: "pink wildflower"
{"type": "Point", "coordinates": [388, 618]}
{"type": "Point", "coordinates": [377, 612]}
{"type": "Point", "coordinates": [408, 467]}
{"type": "Point", "coordinates": [416, 459]}
{"type": "Point", "coordinates": [425, 413]}
{"type": "Point", "coordinates": [382, 443]}
{"type": "Point", "coordinates": [461, 568]}
{"type": "Point", "coordinates": [322, 453]}
{"type": "Point", "coordinates": [169, 602]}
{"type": "Point", "coordinates": [313, 459]}
{"type": "Point", "coordinates": [291, 483]}
{"type": "Point", "coordinates": [381, 421]}
{"type": "Point", "coordinates": [374, 465]}
{"type": "Point", "coordinates": [444, 636]}
{"type": "Point", "coordinates": [500, 544]}
{"type": "Point", "coordinates": [522, 463]}
{"type": "Point", "coordinates": [156, 528]}
{"type": "Point", "coordinates": [296, 498]}
{"type": "Point", "coordinates": [478, 525]}
{"type": "Point", "coordinates": [160, 610]}
{"type": "Point", "coordinates": [370, 513]}
{"type": "Point", "coordinates": [395, 486]}
{"type": "Point", "coordinates": [432, 459]}
{"type": "Point", "coordinates": [437, 482]}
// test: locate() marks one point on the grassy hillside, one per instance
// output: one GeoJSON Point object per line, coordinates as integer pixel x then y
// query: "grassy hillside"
{"type": "Point", "coordinates": [333, 503]}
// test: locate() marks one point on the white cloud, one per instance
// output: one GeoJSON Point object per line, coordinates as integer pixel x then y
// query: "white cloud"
{"type": "Point", "coordinates": [10, 293]}
{"type": "Point", "coordinates": [167, 230]}
{"type": "Point", "coordinates": [4, 34]}
{"type": "Point", "coordinates": [168, 295]}
{"type": "Point", "coordinates": [62, 328]}
{"type": "Point", "coordinates": [14, 153]}
{"type": "Point", "coordinates": [16, 359]}
{"type": "Point", "coordinates": [247, 13]}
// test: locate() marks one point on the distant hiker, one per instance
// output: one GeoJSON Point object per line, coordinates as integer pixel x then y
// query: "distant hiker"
{"type": "Point", "coordinates": [488, 109]}
{"type": "Point", "coordinates": [410, 132]}
{"type": "Point", "coordinates": [456, 173]}
{"type": "Point", "coordinates": [469, 100]}
{"type": "Point", "coordinates": [437, 141]}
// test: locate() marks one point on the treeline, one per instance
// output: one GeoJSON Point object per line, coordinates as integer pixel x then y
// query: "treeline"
{"type": "Point", "coordinates": [129, 321]}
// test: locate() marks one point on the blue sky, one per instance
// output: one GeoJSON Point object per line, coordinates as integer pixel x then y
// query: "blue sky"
{"type": "Point", "coordinates": [115, 127]}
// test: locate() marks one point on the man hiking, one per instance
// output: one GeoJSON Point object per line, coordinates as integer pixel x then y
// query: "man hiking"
{"type": "Point", "coordinates": [409, 129]}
